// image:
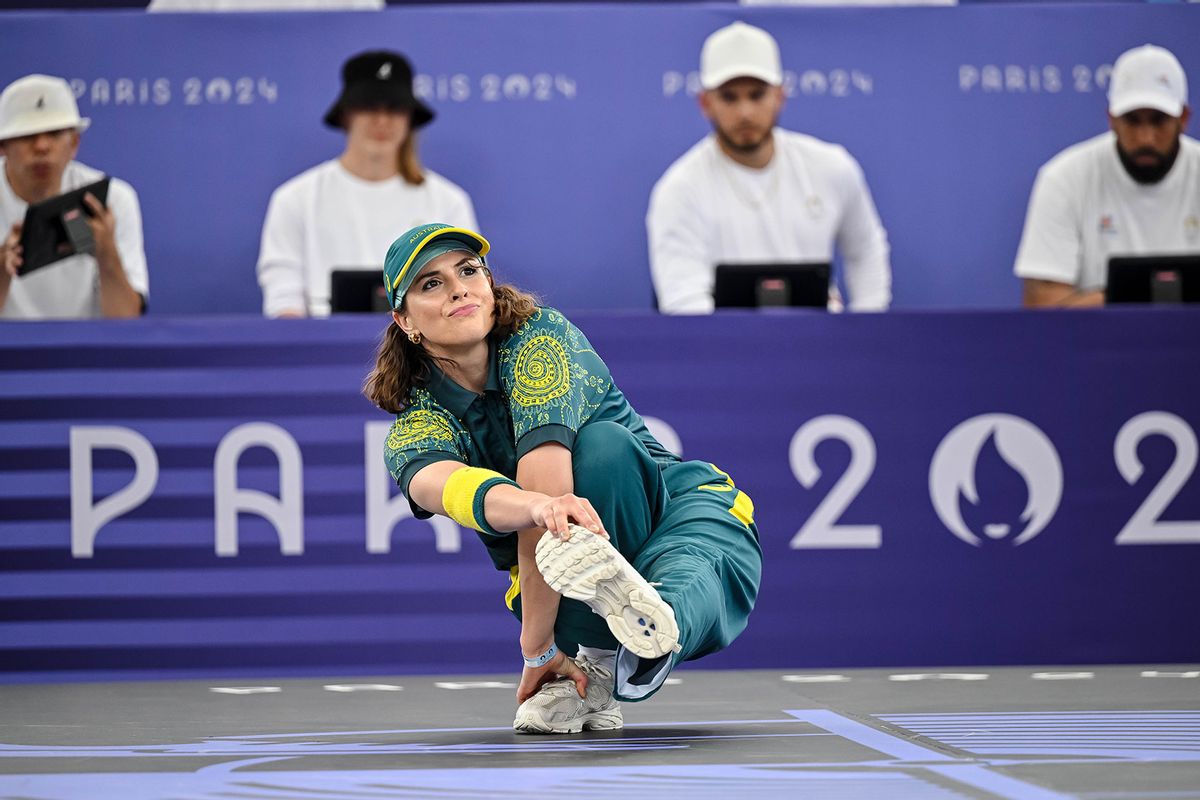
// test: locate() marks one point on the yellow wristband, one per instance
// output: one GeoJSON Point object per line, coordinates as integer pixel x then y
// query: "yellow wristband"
{"type": "Point", "coordinates": [463, 494]}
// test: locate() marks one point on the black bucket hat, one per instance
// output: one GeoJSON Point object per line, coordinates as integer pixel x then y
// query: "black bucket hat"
{"type": "Point", "coordinates": [378, 78]}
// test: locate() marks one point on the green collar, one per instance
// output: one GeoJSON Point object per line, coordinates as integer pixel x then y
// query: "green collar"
{"type": "Point", "coordinates": [455, 398]}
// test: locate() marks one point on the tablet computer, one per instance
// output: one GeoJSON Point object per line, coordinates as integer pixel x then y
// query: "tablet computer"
{"type": "Point", "coordinates": [801, 285]}
{"type": "Point", "coordinates": [1153, 279]}
{"type": "Point", "coordinates": [358, 290]}
{"type": "Point", "coordinates": [56, 228]}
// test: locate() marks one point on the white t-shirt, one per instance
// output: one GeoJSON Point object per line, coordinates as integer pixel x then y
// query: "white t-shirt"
{"type": "Point", "coordinates": [326, 218]}
{"type": "Point", "coordinates": [1085, 208]}
{"type": "Point", "coordinates": [70, 289]}
{"type": "Point", "coordinates": [707, 210]}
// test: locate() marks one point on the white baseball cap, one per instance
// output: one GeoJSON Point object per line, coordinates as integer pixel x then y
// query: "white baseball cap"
{"type": "Point", "coordinates": [739, 51]}
{"type": "Point", "coordinates": [36, 104]}
{"type": "Point", "coordinates": [1147, 77]}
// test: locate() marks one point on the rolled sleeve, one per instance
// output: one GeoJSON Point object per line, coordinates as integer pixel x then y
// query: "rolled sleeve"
{"type": "Point", "coordinates": [420, 437]}
{"type": "Point", "coordinates": [547, 433]}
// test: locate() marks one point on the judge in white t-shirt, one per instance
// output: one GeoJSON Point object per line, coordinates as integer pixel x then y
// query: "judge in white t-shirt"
{"type": "Point", "coordinates": [40, 130]}
{"type": "Point", "coordinates": [345, 213]}
{"type": "Point", "coordinates": [751, 192]}
{"type": "Point", "coordinates": [1134, 190]}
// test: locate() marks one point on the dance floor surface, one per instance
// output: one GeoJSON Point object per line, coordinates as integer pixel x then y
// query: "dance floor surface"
{"type": "Point", "coordinates": [1104, 733]}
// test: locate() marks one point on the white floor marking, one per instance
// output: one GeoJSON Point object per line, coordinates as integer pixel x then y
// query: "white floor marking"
{"type": "Point", "coordinates": [1154, 673]}
{"type": "Point", "coordinates": [939, 676]}
{"type": "Point", "coordinates": [1063, 676]}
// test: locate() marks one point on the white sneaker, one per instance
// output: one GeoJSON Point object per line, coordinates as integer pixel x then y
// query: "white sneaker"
{"type": "Point", "coordinates": [586, 567]}
{"type": "Point", "coordinates": [558, 708]}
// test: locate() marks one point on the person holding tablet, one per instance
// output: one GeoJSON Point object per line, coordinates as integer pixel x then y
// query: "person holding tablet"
{"type": "Point", "coordinates": [40, 130]}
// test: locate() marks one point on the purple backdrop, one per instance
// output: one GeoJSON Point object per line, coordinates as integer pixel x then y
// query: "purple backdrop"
{"type": "Point", "coordinates": [560, 118]}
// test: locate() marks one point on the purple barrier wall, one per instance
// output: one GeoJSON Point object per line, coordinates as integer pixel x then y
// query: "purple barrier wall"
{"type": "Point", "coordinates": [932, 489]}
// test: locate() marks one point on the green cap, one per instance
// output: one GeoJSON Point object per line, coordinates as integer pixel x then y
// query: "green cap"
{"type": "Point", "coordinates": [420, 245]}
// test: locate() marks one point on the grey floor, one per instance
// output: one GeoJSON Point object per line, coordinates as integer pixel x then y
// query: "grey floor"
{"type": "Point", "coordinates": [1102, 733]}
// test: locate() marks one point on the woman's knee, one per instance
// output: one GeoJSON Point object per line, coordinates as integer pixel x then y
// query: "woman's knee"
{"type": "Point", "coordinates": [601, 447]}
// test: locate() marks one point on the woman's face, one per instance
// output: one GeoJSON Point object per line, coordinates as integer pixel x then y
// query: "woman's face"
{"type": "Point", "coordinates": [450, 303]}
{"type": "Point", "coordinates": [376, 131]}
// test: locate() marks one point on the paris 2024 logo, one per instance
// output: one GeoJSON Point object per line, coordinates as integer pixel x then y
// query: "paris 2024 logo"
{"type": "Point", "coordinates": [996, 477]}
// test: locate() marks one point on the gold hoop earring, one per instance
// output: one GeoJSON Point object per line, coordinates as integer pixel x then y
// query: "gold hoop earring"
{"type": "Point", "coordinates": [415, 337]}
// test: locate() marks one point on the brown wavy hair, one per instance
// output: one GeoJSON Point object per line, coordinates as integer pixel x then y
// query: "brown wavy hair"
{"type": "Point", "coordinates": [401, 365]}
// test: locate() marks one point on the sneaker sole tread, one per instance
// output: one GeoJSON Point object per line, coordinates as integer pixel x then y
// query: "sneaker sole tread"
{"type": "Point", "coordinates": [587, 568]}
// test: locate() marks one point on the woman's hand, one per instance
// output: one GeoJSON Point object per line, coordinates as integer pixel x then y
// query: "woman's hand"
{"type": "Point", "coordinates": [556, 513]}
{"type": "Point", "coordinates": [534, 678]}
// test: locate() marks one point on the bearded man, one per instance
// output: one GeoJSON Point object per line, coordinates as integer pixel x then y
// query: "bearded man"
{"type": "Point", "coordinates": [1131, 191]}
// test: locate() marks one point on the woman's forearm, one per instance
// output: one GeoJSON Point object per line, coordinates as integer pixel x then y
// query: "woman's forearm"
{"type": "Point", "coordinates": [545, 503]}
{"type": "Point", "coordinates": [539, 603]}
{"type": "Point", "coordinates": [508, 508]}
{"type": "Point", "coordinates": [545, 470]}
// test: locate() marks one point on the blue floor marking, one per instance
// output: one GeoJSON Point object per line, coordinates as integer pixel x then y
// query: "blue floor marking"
{"type": "Point", "coordinates": [905, 770]}
{"type": "Point", "coordinates": [963, 771]}
{"type": "Point", "coordinates": [1127, 735]}
{"type": "Point", "coordinates": [698, 782]}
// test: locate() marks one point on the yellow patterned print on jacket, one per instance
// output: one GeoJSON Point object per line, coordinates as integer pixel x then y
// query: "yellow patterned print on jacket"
{"type": "Point", "coordinates": [421, 428]}
{"type": "Point", "coordinates": [552, 377]}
